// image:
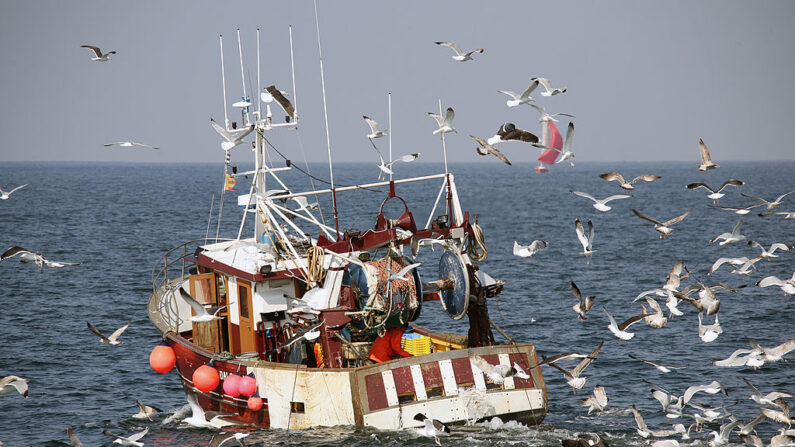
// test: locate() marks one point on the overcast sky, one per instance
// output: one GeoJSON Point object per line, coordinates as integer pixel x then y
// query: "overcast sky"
{"type": "Point", "coordinates": [645, 79]}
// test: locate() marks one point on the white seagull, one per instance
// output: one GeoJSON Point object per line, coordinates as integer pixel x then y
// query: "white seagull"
{"type": "Point", "coordinates": [741, 210]}
{"type": "Point", "coordinates": [374, 131]}
{"type": "Point", "coordinates": [600, 204]}
{"type": "Point", "coordinates": [586, 241]}
{"type": "Point", "coordinates": [769, 398]}
{"type": "Point", "coordinates": [548, 89]}
{"type": "Point", "coordinates": [5, 195]}
{"type": "Point", "coordinates": [772, 204]}
{"type": "Point", "coordinates": [10, 384]}
{"type": "Point", "coordinates": [546, 116]}
{"type": "Point", "coordinates": [231, 137]}
{"type": "Point", "coordinates": [401, 275]}
{"type": "Point", "coordinates": [706, 159]}
{"type": "Point", "coordinates": [498, 373]}
{"type": "Point", "coordinates": [741, 357]}
{"type": "Point", "coordinates": [664, 228]}
{"type": "Point", "coordinates": [202, 313]}
{"type": "Point", "coordinates": [709, 333]}
{"type": "Point", "coordinates": [713, 387]}
{"type": "Point", "coordinates": [767, 254]}
{"type": "Point", "coordinates": [509, 132]}
{"type": "Point", "coordinates": [611, 176]}
{"type": "Point", "coordinates": [573, 377]}
{"type": "Point", "coordinates": [787, 286]}
{"type": "Point", "coordinates": [583, 305]}
{"type": "Point", "coordinates": [28, 257]}
{"type": "Point", "coordinates": [129, 143]}
{"type": "Point", "coordinates": [660, 367]}
{"type": "Point", "coordinates": [721, 437]}
{"type": "Point", "coordinates": [432, 428]}
{"type": "Point", "coordinates": [145, 411]}
{"type": "Point", "coordinates": [643, 429]}
{"type": "Point", "coordinates": [657, 319]}
{"type": "Point", "coordinates": [523, 98]}
{"type": "Point", "coordinates": [131, 440]}
{"type": "Point", "coordinates": [788, 215]}
{"type": "Point", "coordinates": [776, 353]}
{"type": "Point", "coordinates": [736, 262]}
{"type": "Point", "coordinates": [385, 167]}
{"type": "Point", "coordinates": [445, 123]}
{"type": "Point", "coordinates": [619, 330]}
{"type": "Point", "coordinates": [730, 238]}
{"type": "Point", "coordinates": [113, 340]}
{"type": "Point", "coordinates": [199, 418]}
{"type": "Point", "coordinates": [484, 148]}
{"type": "Point", "coordinates": [598, 401]}
{"type": "Point", "coordinates": [527, 251]}
{"type": "Point", "coordinates": [716, 194]}
{"type": "Point", "coordinates": [460, 56]}
{"type": "Point", "coordinates": [100, 56]}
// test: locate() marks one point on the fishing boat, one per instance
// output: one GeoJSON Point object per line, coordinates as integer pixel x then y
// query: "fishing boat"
{"type": "Point", "coordinates": [295, 307]}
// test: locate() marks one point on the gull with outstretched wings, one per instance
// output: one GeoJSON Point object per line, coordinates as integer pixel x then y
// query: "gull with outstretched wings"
{"type": "Point", "coordinates": [460, 56]}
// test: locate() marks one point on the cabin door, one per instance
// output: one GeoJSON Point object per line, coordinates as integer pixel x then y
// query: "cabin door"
{"type": "Point", "coordinates": [207, 334]}
{"type": "Point", "coordinates": [247, 342]}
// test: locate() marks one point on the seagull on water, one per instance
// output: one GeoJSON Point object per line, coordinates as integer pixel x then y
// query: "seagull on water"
{"type": "Point", "coordinates": [583, 305]}
{"type": "Point", "coordinates": [10, 384]}
{"type": "Point", "coordinates": [772, 204]}
{"type": "Point", "coordinates": [28, 257]}
{"type": "Point", "coordinates": [586, 241]}
{"type": "Point", "coordinates": [546, 116]}
{"type": "Point", "coordinates": [374, 131]}
{"type": "Point", "coordinates": [523, 98]}
{"type": "Point", "coordinates": [5, 195]}
{"type": "Point", "coordinates": [145, 411]}
{"type": "Point", "coordinates": [730, 238]}
{"type": "Point", "coordinates": [113, 340]}
{"type": "Point", "coordinates": [509, 132]}
{"type": "Point", "coordinates": [432, 428]}
{"type": "Point", "coordinates": [231, 137]}
{"type": "Point", "coordinates": [460, 56]}
{"type": "Point", "coordinates": [484, 148]}
{"type": "Point", "coordinates": [100, 56]}
{"type": "Point", "coordinates": [527, 251]}
{"type": "Point", "coordinates": [769, 398]}
{"type": "Point", "coordinates": [787, 286]}
{"type": "Point", "coordinates": [709, 333]}
{"type": "Point", "coordinates": [664, 228]}
{"type": "Point", "coordinates": [597, 401]}
{"type": "Point", "coordinates": [619, 330]}
{"type": "Point", "coordinates": [767, 254]}
{"type": "Point", "coordinates": [131, 440]}
{"type": "Point", "coordinates": [716, 194]}
{"type": "Point", "coordinates": [660, 367]}
{"type": "Point", "coordinates": [706, 159]}
{"type": "Point", "coordinates": [202, 313]}
{"type": "Point", "coordinates": [611, 176]}
{"type": "Point", "coordinates": [548, 89]}
{"type": "Point", "coordinates": [498, 373]}
{"type": "Point", "coordinates": [445, 123]}
{"type": "Point", "coordinates": [129, 143]}
{"type": "Point", "coordinates": [565, 152]}
{"type": "Point", "coordinates": [600, 204]}
{"type": "Point", "coordinates": [573, 377]}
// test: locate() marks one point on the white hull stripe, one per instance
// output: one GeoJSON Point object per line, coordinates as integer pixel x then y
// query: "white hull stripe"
{"type": "Point", "coordinates": [389, 387]}
{"type": "Point", "coordinates": [419, 383]}
{"type": "Point", "coordinates": [506, 360]}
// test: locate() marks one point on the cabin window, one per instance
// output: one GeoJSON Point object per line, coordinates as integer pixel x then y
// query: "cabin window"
{"type": "Point", "coordinates": [242, 298]}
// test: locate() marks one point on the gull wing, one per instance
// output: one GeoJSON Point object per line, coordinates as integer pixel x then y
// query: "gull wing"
{"type": "Point", "coordinates": [637, 213]}
{"type": "Point", "coordinates": [753, 388]}
{"type": "Point", "coordinates": [702, 148]}
{"type": "Point", "coordinates": [544, 82]}
{"type": "Point", "coordinates": [407, 158]}
{"type": "Point", "coordinates": [654, 305]}
{"type": "Point", "coordinates": [96, 50]}
{"type": "Point", "coordinates": [616, 197]}
{"type": "Point", "coordinates": [118, 332]}
{"type": "Point", "coordinates": [448, 117]}
{"type": "Point", "coordinates": [770, 281]}
{"type": "Point", "coordinates": [380, 157]}
{"type": "Point", "coordinates": [451, 45]}
{"type": "Point", "coordinates": [569, 134]}
{"type": "Point", "coordinates": [496, 152]}
{"type": "Point", "coordinates": [576, 291]}
{"type": "Point", "coordinates": [783, 348]}
{"type": "Point", "coordinates": [645, 177]}
{"type": "Point", "coordinates": [610, 176]}
{"type": "Point", "coordinates": [584, 194]}
{"type": "Point", "coordinates": [677, 218]}
{"type": "Point", "coordinates": [601, 395]}
{"type": "Point", "coordinates": [590, 234]}
{"type": "Point", "coordinates": [529, 90]}
{"type": "Point", "coordinates": [512, 94]}
{"type": "Point", "coordinates": [22, 186]}
{"type": "Point", "coordinates": [195, 305]}
{"type": "Point", "coordinates": [437, 117]}
{"type": "Point", "coordinates": [13, 251]}
{"type": "Point", "coordinates": [731, 182]}
{"type": "Point", "coordinates": [145, 145]}
{"type": "Point", "coordinates": [221, 130]}
{"type": "Point", "coordinates": [581, 234]}
{"type": "Point", "coordinates": [96, 331]}
{"type": "Point", "coordinates": [408, 268]}
{"type": "Point", "coordinates": [639, 419]}
{"type": "Point", "coordinates": [754, 197]}
{"type": "Point", "coordinates": [139, 435]}
{"type": "Point", "coordinates": [632, 320]}
{"type": "Point", "coordinates": [482, 364]}
{"type": "Point", "coordinates": [520, 135]}
{"type": "Point", "coordinates": [371, 122]}
{"type": "Point", "coordinates": [586, 361]}
{"type": "Point", "coordinates": [736, 229]}
{"type": "Point", "coordinates": [284, 102]}
{"type": "Point", "coordinates": [477, 50]}
{"type": "Point", "coordinates": [537, 245]}
{"type": "Point", "coordinates": [778, 199]}
{"type": "Point", "coordinates": [699, 185]}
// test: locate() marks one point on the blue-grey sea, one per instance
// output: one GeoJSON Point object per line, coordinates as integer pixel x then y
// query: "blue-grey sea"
{"type": "Point", "coordinates": [118, 219]}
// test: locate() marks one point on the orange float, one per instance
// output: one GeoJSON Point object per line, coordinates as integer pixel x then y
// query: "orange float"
{"type": "Point", "coordinates": [255, 403]}
{"type": "Point", "coordinates": [247, 386]}
{"type": "Point", "coordinates": [162, 358]}
{"type": "Point", "coordinates": [206, 378]}
{"type": "Point", "coordinates": [232, 385]}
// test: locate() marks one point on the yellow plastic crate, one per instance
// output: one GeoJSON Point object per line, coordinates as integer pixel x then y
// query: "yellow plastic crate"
{"type": "Point", "coordinates": [416, 344]}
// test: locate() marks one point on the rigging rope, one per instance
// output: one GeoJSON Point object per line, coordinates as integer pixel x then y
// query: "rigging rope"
{"type": "Point", "coordinates": [315, 273]}
{"type": "Point", "coordinates": [476, 244]}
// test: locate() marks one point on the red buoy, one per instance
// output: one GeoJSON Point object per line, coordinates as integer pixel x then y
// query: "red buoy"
{"type": "Point", "coordinates": [247, 386]}
{"type": "Point", "coordinates": [232, 385]}
{"type": "Point", "coordinates": [162, 359]}
{"type": "Point", "coordinates": [254, 403]}
{"type": "Point", "coordinates": [206, 378]}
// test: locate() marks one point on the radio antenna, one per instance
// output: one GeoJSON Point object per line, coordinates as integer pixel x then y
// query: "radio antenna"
{"type": "Point", "coordinates": [244, 110]}
{"type": "Point", "coordinates": [223, 82]}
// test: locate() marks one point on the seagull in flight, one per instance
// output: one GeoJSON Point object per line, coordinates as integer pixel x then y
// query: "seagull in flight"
{"type": "Point", "coordinates": [664, 228]}
{"type": "Point", "coordinates": [546, 116]}
{"type": "Point", "coordinates": [200, 419]}
{"type": "Point", "coordinates": [772, 204]}
{"type": "Point", "coordinates": [5, 195]}
{"type": "Point", "coordinates": [741, 265]}
{"type": "Point", "coordinates": [100, 56]}
{"type": "Point", "coordinates": [484, 148]}
{"type": "Point", "coordinates": [28, 257]}
{"type": "Point", "coordinates": [769, 398]}
{"type": "Point", "coordinates": [776, 353]}
{"type": "Point", "coordinates": [523, 98]}
{"type": "Point", "coordinates": [9, 384]}
{"type": "Point", "coordinates": [129, 143]}
{"type": "Point", "coordinates": [375, 132]}
{"type": "Point", "coordinates": [656, 319]}
{"type": "Point", "coordinates": [386, 168]}
{"type": "Point", "coordinates": [767, 254]}
{"type": "Point", "coordinates": [573, 377]}
{"type": "Point", "coordinates": [509, 132]}
{"type": "Point", "coordinates": [709, 333]}
{"type": "Point", "coordinates": [460, 56]}
{"type": "Point", "coordinates": [401, 275]}
{"type": "Point", "coordinates": [565, 152]}
{"type": "Point", "coordinates": [498, 373]}
{"type": "Point", "coordinates": [145, 411]}
{"type": "Point", "coordinates": [787, 286]}
{"type": "Point", "coordinates": [586, 241]}
{"type": "Point", "coordinates": [715, 194]}
{"type": "Point", "coordinates": [730, 238]}
{"type": "Point", "coordinates": [113, 340]}
{"type": "Point", "coordinates": [202, 314]}
{"type": "Point", "coordinates": [741, 210]}
{"type": "Point", "coordinates": [600, 204]}
{"type": "Point", "coordinates": [788, 215]}
{"type": "Point", "coordinates": [660, 367]}
{"type": "Point", "coordinates": [619, 330]}
{"type": "Point", "coordinates": [527, 251]}
{"type": "Point", "coordinates": [598, 401]}
{"type": "Point", "coordinates": [706, 159]}
{"type": "Point", "coordinates": [445, 123]}
{"type": "Point", "coordinates": [643, 429]}
{"type": "Point", "coordinates": [611, 176]}
{"type": "Point", "coordinates": [231, 137]}
{"type": "Point", "coordinates": [280, 97]}
{"type": "Point", "coordinates": [548, 89]}
{"type": "Point", "coordinates": [131, 440]}
{"type": "Point", "coordinates": [583, 305]}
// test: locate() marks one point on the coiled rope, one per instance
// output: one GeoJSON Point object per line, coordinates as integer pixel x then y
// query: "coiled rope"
{"type": "Point", "coordinates": [476, 244]}
{"type": "Point", "coordinates": [315, 273]}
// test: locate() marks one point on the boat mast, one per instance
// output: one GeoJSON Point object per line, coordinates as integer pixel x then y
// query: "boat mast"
{"type": "Point", "coordinates": [223, 82]}
{"type": "Point", "coordinates": [325, 115]}
{"type": "Point", "coordinates": [244, 110]}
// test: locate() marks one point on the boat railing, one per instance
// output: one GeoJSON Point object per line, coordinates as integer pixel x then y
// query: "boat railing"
{"type": "Point", "coordinates": [169, 271]}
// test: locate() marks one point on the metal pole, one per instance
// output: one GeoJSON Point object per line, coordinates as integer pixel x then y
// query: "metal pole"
{"type": "Point", "coordinates": [242, 76]}
{"type": "Point", "coordinates": [389, 96]}
{"type": "Point", "coordinates": [259, 87]}
{"type": "Point", "coordinates": [292, 66]}
{"type": "Point", "coordinates": [223, 82]}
